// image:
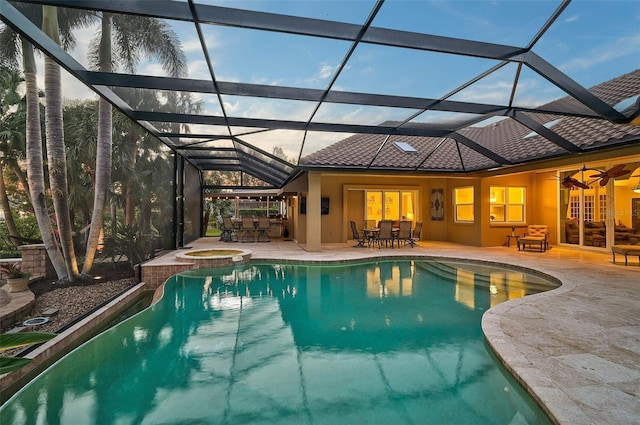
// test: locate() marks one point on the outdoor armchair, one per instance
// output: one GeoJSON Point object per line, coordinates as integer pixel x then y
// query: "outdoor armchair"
{"type": "Point", "coordinates": [537, 234]}
{"type": "Point", "coordinates": [360, 239]}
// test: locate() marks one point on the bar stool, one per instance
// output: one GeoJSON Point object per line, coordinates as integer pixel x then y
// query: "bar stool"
{"type": "Point", "coordinates": [264, 226]}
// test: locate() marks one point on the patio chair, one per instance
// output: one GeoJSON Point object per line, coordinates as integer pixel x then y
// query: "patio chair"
{"type": "Point", "coordinates": [248, 230]}
{"type": "Point", "coordinates": [416, 234]}
{"type": "Point", "coordinates": [356, 235]}
{"type": "Point", "coordinates": [404, 233]}
{"type": "Point", "coordinates": [385, 234]}
{"type": "Point", "coordinates": [264, 227]}
{"type": "Point", "coordinates": [537, 234]}
{"type": "Point", "coordinates": [228, 231]}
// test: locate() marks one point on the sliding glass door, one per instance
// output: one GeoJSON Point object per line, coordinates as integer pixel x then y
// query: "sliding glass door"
{"type": "Point", "coordinates": [600, 205]}
{"type": "Point", "coordinates": [390, 205]}
{"type": "Point", "coordinates": [583, 208]}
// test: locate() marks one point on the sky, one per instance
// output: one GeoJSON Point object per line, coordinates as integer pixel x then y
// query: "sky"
{"type": "Point", "coordinates": [591, 42]}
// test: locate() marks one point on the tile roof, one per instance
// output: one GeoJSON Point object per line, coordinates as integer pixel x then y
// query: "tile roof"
{"type": "Point", "coordinates": [505, 138]}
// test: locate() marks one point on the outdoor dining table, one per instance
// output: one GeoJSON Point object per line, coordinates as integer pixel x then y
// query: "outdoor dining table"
{"type": "Point", "coordinates": [371, 234]}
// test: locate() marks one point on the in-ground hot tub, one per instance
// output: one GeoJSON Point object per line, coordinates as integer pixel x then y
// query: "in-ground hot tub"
{"type": "Point", "coordinates": [214, 257]}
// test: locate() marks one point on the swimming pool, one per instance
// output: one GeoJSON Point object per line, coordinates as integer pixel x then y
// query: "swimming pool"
{"type": "Point", "coordinates": [388, 342]}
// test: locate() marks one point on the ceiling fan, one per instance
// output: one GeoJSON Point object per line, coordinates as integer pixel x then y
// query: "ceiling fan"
{"type": "Point", "coordinates": [571, 182]}
{"type": "Point", "coordinates": [611, 173]}
{"type": "Point", "coordinates": [604, 176]}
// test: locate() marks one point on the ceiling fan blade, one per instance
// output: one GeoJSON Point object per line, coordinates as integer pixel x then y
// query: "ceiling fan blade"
{"type": "Point", "coordinates": [597, 176]}
{"type": "Point", "coordinates": [615, 169]}
{"type": "Point", "coordinates": [582, 185]}
{"type": "Point", "coordinates": [604, 181]}
{"type": "Point", "coordinates": [620, 173]}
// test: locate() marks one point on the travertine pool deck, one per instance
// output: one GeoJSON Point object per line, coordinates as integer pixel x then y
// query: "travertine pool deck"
{"type": "Point", "coordinates": [576, 348]}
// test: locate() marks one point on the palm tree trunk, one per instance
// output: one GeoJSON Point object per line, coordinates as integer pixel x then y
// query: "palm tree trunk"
{"type": "Point", "coordinates": [103, 152]}
{"type": "Point", "coordinates": [101, 185]}
{"type": "Point", "coordinates": [55, 146]}
{"type": "Point", "coordinates": [15, 167]}
{"type": "Point", "coordinates": [6, 209]}
{"type": "Point", "coordinates": [35, 163]}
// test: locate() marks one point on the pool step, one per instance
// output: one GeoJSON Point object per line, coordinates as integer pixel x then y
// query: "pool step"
{"type": "Point", "coordinates": [483, 274]}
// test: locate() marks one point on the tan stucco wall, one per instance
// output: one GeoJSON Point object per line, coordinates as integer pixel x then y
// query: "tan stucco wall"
{"type": "Point", "coordinates": [347, 191]}
{"type": "Point", "coordinates": [346, 194]}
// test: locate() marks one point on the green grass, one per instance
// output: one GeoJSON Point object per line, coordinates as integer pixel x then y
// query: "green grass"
{"type": "Point", "coordinates": [213, 232]}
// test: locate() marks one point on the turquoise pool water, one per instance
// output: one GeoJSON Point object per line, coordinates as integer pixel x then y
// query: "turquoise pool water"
{"type": "Point", "coordinates": [381, 342]}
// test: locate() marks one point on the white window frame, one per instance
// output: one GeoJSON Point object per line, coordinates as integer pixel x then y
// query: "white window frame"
{"type": "Point", "coordinates": [507, 204]}
{"type": "Point", "coordinates": [456, 205]}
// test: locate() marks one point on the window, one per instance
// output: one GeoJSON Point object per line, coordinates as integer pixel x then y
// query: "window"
{"type": "Point", "coordinates": [574, 206]}
{"type": "Point", "coordinates": [602, 206]}
{"type": "Point", "coordinates": [390, 205]}
{"type": "Point", "coordinates": [405, 147]}
{"type": "Point", "coordinates": [589, 207]}
{"type": "Point", "coordinates": [507, 204]}
{"type": "Point", "coordinates": [463, 204]}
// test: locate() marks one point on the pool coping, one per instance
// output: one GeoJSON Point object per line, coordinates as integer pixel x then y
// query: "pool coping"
{"type": "Point", "coordinates": [53, 350]}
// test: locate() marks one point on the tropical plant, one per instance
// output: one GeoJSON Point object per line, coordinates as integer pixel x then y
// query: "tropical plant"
{"type": "Point", "coordinates": [129, 242]}
{"type": "Point", "coordinates": [17, 340]}
{"type": "Point", "coordinates": [14, 270]}
{"type": "Point", "coordinates": [12, 125]}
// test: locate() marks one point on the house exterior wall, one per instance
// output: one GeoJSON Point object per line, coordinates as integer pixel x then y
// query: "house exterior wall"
{"type": "Point", "coordinates": [346, 194]}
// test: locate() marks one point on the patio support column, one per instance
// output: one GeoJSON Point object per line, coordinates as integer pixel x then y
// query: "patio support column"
{"type": "Point", "coordinates": [314, 222]}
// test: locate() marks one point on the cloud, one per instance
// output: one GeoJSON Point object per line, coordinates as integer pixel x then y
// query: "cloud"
{"type": "Point", "coordinates": [604, 52]}
{"type": "Point", "coordinates": [198, 70]}
{"type": "Point", "coordinates": [192, 44]}
{"type": "Point", "coordinates": [573, 18]}
{"type": "Point", "coordinates": [326, 71]}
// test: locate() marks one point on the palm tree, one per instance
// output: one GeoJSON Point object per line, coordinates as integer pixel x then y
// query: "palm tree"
{"type": "Point", "coordinates": [80, 122]}
{"type": "Point", "coordinates": [11, 137]}
{"type": "Point", "coordinates": [56, 154]}
{"type": "Point", "coordinates": [135, 36]}
{"type": "Point", "coordinates": [11, 46]}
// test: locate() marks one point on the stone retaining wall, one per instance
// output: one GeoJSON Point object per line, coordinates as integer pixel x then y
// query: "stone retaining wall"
{"type": "Point", "coordinates": [35, 260]}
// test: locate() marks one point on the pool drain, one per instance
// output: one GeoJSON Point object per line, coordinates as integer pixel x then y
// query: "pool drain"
{"type": "Point", "coordinates": [36, 321]}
